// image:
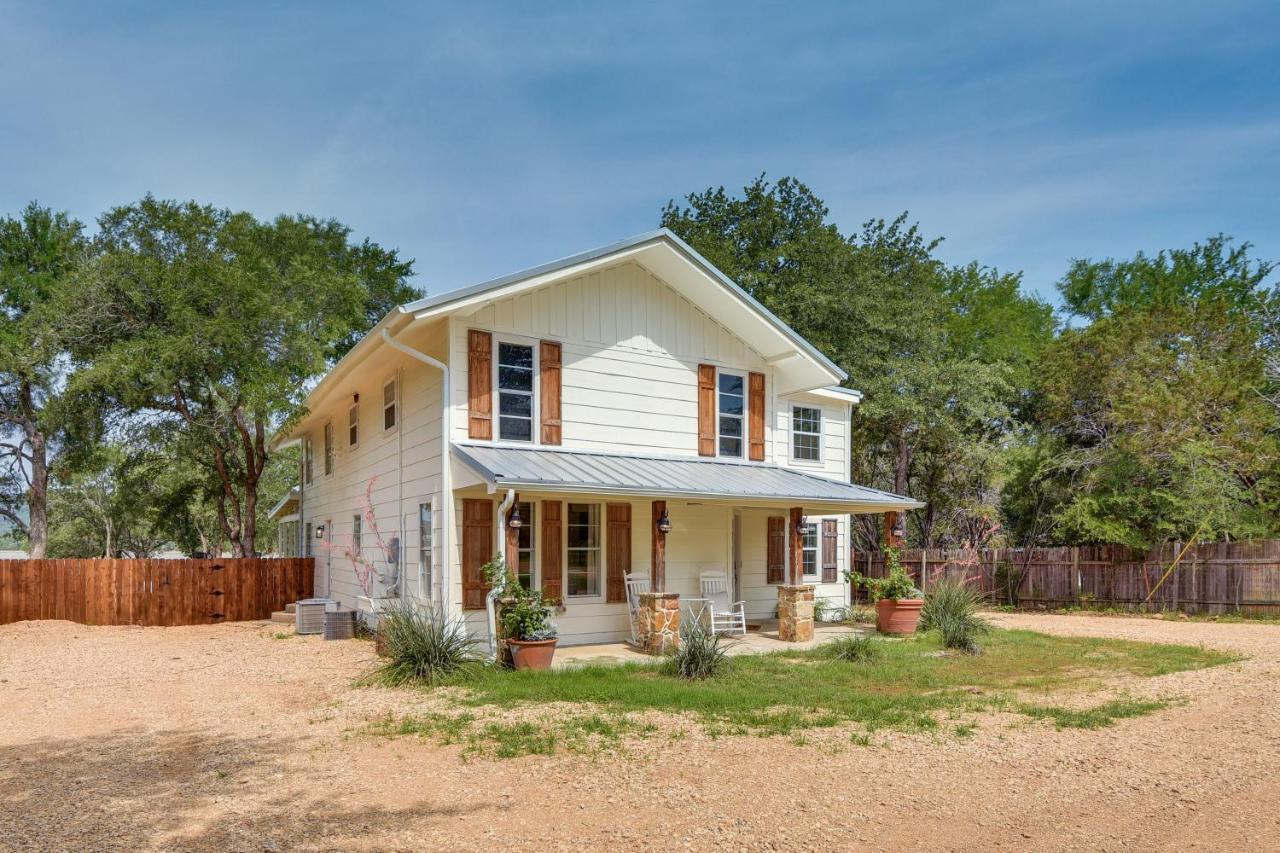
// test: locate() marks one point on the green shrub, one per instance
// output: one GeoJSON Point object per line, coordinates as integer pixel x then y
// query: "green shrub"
{"type": "Point", "coordinates": [951, 609]}
{"type": "Point", "coordinates": [895, 586]}
{"type": "Point", "coordinates": [525, 613]}
{"type": "Point", "coordinates": [853, 648]}
{"type": "Point", "coordinates": [423, 647]}
{"type": "Point", "coordinates": [702, 654]}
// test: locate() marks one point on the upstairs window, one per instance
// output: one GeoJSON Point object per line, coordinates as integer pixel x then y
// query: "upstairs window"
{"type": "Point", "coordinates": [328, 449]}
{"type": "Point", "coordinates": [389, 405]}
{"type": "Point", "coordinates": [731, 409]}
{"type": "Point", "coordinates": [353, 426]}
{"type": "Point", "coordinates": [308, 460]}
{"type": "Point", "coordinates": [515, 392]}
{"type": "Point", "coordinates": [806, 434]}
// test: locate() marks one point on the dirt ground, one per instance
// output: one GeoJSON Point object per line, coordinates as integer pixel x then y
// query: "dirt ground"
{"type": "Point", "coordinates": [223, 738]}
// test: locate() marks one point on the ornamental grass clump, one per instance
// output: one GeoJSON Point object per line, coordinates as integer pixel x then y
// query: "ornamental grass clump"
{"type": "Point", "coordinates": [701, 654]}
{"type": "Point", "coordinates": [423, 647]}
{"type": "Point", "coordinates": [951, 609]}
{"type": "Point", "coordinates": [853, 649]}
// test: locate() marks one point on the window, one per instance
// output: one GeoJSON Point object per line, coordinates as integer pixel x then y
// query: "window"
{"type": "Point", "coordinates": [583, 535]}
{"type": "Point", "coordinates": [357, 537]}
{"type": "Point", "coordinates": [515, 392]}
{"type": "Point", "coordinates": [524, 547]}
{"type": "Point", "coordinates": [353, 426]}
{"type": "Point", "coordinates": [806, 430]}
{"type": "Point", "coordinates": [308, 460]}
{"type": "Point", "coordinates": [389, 408]}
{"type": "Point", "coordinates": [306, 544]}
{"type": "Point", "coordinates": [809, 548]}
{"type": "Point", "coordinates": [328, 449]}
{"type": "Point", "coordinates": [731, 407]}
{"type": "Point", "coordinates": [425, 543]}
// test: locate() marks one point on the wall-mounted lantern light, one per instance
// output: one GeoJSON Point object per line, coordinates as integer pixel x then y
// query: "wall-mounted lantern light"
{"type": "Point", "coordinates": [900, 527]}
{"type": "Point", "coordinates": [319, 531]}
{"type": "Point", "coordinates": [805, 526]}
{"type": "Point", "coordinates": [515, 522]}
{"type": "Point", "coordinates": [664, 523]}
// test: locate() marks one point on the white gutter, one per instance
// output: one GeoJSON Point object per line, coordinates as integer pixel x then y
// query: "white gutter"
{"type": "Point", "coordinates": [500, 547]}
{"type": "Point", "coordinates": [446, 473]}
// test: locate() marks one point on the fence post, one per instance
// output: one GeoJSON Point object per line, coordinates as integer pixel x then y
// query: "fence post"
{"type": "Point", "coordinates": [924, 566]}
{"type": "Point", "coordinates": [1075, 573]}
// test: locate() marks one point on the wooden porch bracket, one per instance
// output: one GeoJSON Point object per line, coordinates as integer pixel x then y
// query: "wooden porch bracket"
{"type": "Point", "coordinates": [795, 566]}
{"type": "Point", "coordinates": [658, 553]}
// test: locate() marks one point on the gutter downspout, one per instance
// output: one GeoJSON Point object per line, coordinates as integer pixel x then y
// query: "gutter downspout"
{"type": "Point", "coordinates": [490, 600]}
{"type": "Point", "coordinates": [446, 473]}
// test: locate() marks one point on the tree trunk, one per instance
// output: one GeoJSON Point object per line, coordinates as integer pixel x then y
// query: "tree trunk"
{"type": "Point", "coordinates": [38, 494]}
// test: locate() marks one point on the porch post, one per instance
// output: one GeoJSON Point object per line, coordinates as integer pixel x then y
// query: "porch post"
{"type": "Point", "coordinates": [796, 569]}
{"type": "Point", "coordinates": [511, 540]}
{"type": "Point", "coordinates": [795, 598]}
{"type": "Point", "coordinates": [890, 530]}
{"type": "Point", "coordinates": [658, 553]}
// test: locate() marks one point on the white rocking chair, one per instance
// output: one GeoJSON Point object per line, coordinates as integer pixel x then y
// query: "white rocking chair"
{"type": "Point", "coordinates": [726, 617]}
{"type": "Point", "coordinates": [637, 584]}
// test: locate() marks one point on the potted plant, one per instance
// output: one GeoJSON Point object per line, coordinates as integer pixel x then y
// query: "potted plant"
{"type": "Point", "coordinates": [896, 597]}
{"type": "Point", "coordinates": [525, 615]}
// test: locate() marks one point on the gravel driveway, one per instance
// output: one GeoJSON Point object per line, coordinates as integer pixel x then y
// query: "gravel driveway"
{"type": "Point", "coordinates": [223, 738]}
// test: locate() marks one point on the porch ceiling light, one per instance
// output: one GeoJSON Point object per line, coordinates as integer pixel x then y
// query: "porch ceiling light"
{"type": "Point", "coordinates": [515, 522]}
{"type": "Point", "coordinates": [664, 523]}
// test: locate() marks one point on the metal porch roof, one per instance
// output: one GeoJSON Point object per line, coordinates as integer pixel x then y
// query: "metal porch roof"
{"type": "Point", "coordinates": [667, 476]}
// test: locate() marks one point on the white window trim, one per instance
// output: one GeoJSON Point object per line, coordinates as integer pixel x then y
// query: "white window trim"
{"type": "Point", "coordinates": [355, 407]}
{"type": "Point", "coordinates": [816, 524]}
{"type": "Point", "coordinates": [430, 552]}
{"type": "Point", "coordinates": [394, 380]}
{"type": "Point", "coordinates": [746, 411]}
{"type": "Point", "coordinates": [791, 434]}
{"type": "Point", "coordinates": [308, 460]}
{"type": "Point", "coordinates": [602, 567]}
{"type": "Point", "coordinates": [329, 450]}
{"type": "Point", "coordinates": [535, 432]}
{"type": "Point", "coordinates": [357, 535]}
{"type": "Point", "coordinates": [535, 576]}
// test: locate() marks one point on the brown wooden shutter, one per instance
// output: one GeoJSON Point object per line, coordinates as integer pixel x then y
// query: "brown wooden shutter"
{"type": "Point", "coordinates": [706, 410]}
{"type": "Point", "coordinates": [549, 386]}
{"type": "Point", "coordinates": [617, 552]}
{"type": "Point", "coordinates": [479, 384]}
{"type": "Point", "coordinates": [552, 537]}
{"type": "Point", "coordinates": [830, 545]}
{"type": "Point", "coordinates": [477, 544]}
{"type": "Point", "coordinates": [775, 567]}
{"type": "Point", "coordinates": [755, 416]}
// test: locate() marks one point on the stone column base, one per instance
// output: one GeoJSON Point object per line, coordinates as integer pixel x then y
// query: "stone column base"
{"type": "Point", "coordinates": [795, 613]}
{"type": "Point", "coordinates": [659, 629]}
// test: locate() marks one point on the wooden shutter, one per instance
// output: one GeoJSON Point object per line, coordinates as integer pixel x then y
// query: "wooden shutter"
{"type": "Point", "coordinates": [552, 537]}
{"type": "Point", "coordinates": [755, 416]}
{"type": "Point", "coordinates": [775, 567]}
{"type": "Point", "coordinates": [617, 552]}
{"type": "Point", "coordinates": [706, 410]}
{"type": "Point", "coordinates": [479, 384]}
{"type": "Point", "coordinates": [830, 544]}
{"type": "Point", "coordinates": [549, 386]}
{"type": "Point", "coordinates": [477, 544]}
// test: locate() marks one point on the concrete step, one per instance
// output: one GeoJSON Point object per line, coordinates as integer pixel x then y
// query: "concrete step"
{"type": "Point", "coordinates": [290, 608]}
{"type": "Point", "coordinates": [283, 616]}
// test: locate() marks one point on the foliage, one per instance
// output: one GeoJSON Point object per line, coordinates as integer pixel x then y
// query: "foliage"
{"type": "Point", "coordinates": [853, 648]}
{"type": "Point", "coordinates": [701, 653]}
{"type": "Point", "coordinates": [896, 585]}
{"type": "Point", "coordinates": [951, 608]}
{"type": "Point", "coordinates": [423, 647]}
{"type": "Point", "coordinates": [525, 613]}
{"type": "Point", "coordinates": [208, 325]}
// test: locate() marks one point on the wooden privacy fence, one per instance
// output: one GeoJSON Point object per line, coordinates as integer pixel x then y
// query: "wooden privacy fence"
{"type": "Point", "coordinates": [1216, 577]}
{"type": "Point", "coordinates": [152, 592]}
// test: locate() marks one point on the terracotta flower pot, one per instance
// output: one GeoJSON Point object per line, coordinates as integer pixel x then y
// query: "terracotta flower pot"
{"type": "Point", "coordinates": [898, 616]}
{"type": "Point", "coordinates": [532, 654]}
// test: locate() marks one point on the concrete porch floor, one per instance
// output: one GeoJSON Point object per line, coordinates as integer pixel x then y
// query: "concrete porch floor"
{"type": "Point", "coordinates": [754, 643]}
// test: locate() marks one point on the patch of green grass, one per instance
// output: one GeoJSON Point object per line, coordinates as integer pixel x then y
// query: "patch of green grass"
{"type": "Point", "coordinates": [1096, 717]}
{"type": "Point", "coordinates": [283, 635]}
{"type": "Point", "coordinates": [908, 685]}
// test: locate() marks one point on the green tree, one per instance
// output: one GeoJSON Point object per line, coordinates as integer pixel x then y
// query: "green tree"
{"type": "Point", "coordinates": [209, 324]}
{"type": "Point", "coordinates": [39, 250]}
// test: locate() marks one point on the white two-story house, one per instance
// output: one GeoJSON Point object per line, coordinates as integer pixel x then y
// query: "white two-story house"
{"type": "Point", "coordinates": [625, 410]}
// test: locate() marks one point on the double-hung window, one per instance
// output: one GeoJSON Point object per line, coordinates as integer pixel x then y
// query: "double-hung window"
{"type": "Point", "coordinates": [328, 448]}
{"type": "Point", "coordinates": [809, 549]}
{"type": "Point", "coordinates": [524, 547]}
{"type": "Point", "coordinates": [731, 409]}
{"type": "Point", "coordinates": [390, 405]}
{"type": "Point", "coordinates": [308, 460]}
{"type": "Point", "coordinates": [515, 392]}
{"type": "Point", "coordinates": [806, 434]}
{"type": "Point", "coordinates": [583, 551]}
{"type": "Point", "coordinates": [353, 426]}
{"type": "Point", "coordinates": [357, 537]}
{"type": "Point", "coordinates": [426, 541]}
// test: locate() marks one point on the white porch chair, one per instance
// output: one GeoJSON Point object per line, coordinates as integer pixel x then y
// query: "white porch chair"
{"type": "Point", "coordinates": [637, 584]}
{"type": "Point", "coordinates": [727, 617]}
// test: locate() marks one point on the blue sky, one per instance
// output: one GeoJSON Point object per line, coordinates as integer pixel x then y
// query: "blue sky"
{"type": "Point", "coordinates": [483, 138]}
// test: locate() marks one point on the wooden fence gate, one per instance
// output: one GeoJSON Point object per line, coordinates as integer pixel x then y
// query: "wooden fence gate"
{"type": "Point", "coordinates": [152, 592]}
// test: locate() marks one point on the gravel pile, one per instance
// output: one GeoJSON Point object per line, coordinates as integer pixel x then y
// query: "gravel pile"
{"type": "Point", "coordinates": [225, 738]}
